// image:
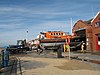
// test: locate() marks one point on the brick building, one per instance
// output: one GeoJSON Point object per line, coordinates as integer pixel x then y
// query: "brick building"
{"type": "Point", "coordinates": [89, 31]}
{"type": "Point", "coordinates": [96, 32]}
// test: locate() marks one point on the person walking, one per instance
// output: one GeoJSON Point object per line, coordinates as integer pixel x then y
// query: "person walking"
{"type": "Point", "coordinates": [40, 49]}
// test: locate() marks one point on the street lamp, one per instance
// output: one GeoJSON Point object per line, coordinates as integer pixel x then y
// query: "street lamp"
{"type": "Point", "coordinates": [26, 35]}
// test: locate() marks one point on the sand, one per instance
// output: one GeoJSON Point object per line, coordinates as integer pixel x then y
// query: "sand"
{"type": "Point", "coordinates": [55, 66]}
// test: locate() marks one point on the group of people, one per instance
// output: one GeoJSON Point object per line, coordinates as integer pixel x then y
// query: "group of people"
{"type": "Point", "coordinates": [67, 47]}
{"type": "Point", "coordinates": [40, 47]}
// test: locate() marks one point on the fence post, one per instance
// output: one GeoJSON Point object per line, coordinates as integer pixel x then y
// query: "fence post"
{"type": "Point", "coordinates": [5, 57]}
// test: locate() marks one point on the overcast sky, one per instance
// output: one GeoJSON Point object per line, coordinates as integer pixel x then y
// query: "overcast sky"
{"type": "Point", "coordinates": [18, 16]}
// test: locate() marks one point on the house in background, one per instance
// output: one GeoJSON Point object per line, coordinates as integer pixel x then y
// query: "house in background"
{"type": "Point", "coordinates": [89, 32]}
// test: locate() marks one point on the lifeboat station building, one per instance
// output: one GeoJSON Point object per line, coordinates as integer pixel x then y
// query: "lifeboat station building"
{"type": "Point", "coordinates": [89, 32]}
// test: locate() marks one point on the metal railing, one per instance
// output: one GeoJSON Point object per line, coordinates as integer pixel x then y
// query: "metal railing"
{"type": "Point", "coordinates": [14, 67]}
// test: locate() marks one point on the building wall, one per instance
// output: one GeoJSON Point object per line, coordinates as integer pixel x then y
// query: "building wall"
{"type": "Point", "coordinates": [79, 25]}
{"type": "Point", "coordinates": [88, 31]}
{"type": "Point", "coordinates": [92, 32]}
{"type": "Point", "coordinates": [89, 38]}
{"type": "Point", "coordinates": [96, 31]}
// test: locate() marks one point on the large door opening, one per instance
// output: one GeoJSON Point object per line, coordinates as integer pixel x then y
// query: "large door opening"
{"type": "Point", "coordinates": [76, 42]}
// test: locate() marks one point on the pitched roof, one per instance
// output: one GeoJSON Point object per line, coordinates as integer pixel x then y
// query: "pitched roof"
{"type": "Point", "coordinates": [95, 16]}
{"type": "Point", "coordinates": [88, 21]}
{"type": "Point", "coordinates": [80, 21]}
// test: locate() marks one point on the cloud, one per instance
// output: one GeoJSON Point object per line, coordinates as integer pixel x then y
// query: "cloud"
{"type": "Point", "coordinates": [10, 26]}
{"type": "Point", "coordinates": [22, 16]}
{"type": "Point", "coordinates": [17, 16]}
{"type": "Point", "coordinates": [49, 26]}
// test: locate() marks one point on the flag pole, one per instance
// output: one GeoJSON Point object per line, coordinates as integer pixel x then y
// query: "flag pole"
{"type": "Point", "coordinates": [71, 25]}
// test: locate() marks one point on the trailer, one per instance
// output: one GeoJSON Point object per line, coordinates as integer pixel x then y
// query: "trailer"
{"type": "Point", "coordinates": [52, 44]}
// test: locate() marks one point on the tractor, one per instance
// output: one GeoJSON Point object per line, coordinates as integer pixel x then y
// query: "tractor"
{"type": "Point", "coordinates": [20, 47]}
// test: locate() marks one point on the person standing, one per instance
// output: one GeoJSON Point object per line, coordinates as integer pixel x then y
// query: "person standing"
{"type": "Point", "coordinates": [82, 47]}
{"type": "Point", "coordinates": [68, 47]}
{"type": "Point", "coordinates": [65, 48]}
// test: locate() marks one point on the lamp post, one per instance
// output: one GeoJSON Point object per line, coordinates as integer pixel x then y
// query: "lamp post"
{"type": "Point", "coordinates": [26, 35]}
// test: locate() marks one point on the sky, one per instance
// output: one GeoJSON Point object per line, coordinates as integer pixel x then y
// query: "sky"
{"type": "Point", "coordinates": [35, 16]}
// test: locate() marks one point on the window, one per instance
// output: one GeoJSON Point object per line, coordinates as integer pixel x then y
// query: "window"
{"type": "Point", "coordinates": [99, 18]}
{"type": "Point", "coordinates": [78, 27]}
{"type": "Point", "coordinates": [98, 39]}
{"type": "Point", "coordinates": [97, 24]}
{"type": "Point", "coordinates": [61, 33]}
{"type": "Point", "coordinates": [56, 33]}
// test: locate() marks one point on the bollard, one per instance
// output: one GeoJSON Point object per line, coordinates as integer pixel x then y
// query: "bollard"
{"type": "Point", "coordinates": [59, 51]}
{"type": "Point", "coordinates": [82, 60]}
{"type": "Point", "coordinates": [6, 55]}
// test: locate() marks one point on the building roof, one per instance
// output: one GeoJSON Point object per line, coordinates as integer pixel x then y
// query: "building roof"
{"type": "Point", "coordinates": [88, 21]}
{"type": "Point", "coordinates": [95, 16]}
{"type": "Point", "coordinates": [80, 21]}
